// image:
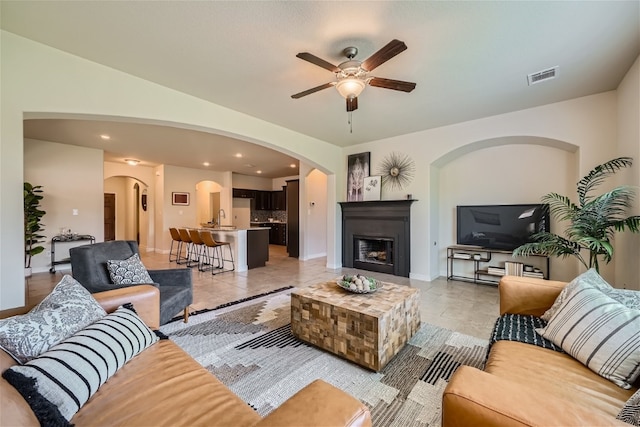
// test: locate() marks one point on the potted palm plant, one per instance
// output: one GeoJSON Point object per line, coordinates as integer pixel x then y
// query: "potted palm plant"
{"type": "Point", "coordinates": [32, 225]}
{"type": "Point", "coordinates": [592, 221]}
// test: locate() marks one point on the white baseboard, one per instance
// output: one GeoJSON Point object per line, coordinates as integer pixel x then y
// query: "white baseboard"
{"type": "Point", "coordinates": [423, 277]}
{"type": "Point", "coordinates": [314, 256]}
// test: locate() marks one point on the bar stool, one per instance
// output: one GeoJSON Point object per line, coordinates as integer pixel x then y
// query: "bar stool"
{"type": "Point", "coordinates": [214, 251]}
{"type": "Point", "coordinates": [197, 247]}
{"type": "Point", "coordinates": [186, 238]}
{"type": "Point", "coordinates": [175, 238]}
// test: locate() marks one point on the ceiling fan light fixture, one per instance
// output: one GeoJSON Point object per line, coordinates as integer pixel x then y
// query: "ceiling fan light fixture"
{"type": "Point", "coordinates": [350, 87]}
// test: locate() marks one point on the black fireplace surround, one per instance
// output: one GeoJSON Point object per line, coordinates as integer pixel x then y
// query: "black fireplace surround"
{"type": "Point", "coordinates": [384, 229]}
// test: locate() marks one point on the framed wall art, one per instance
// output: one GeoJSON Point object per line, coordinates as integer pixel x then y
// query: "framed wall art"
{"type": "Point", "coordinates": [180, 199]}
{"type": "Point", "coordinates": [357, 171]}
{"type": "Point", "coordinates": [372, 185]}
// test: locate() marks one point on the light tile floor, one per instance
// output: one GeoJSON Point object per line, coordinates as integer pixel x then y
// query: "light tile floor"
{"type": "Point", "coordinates": [464, 307]}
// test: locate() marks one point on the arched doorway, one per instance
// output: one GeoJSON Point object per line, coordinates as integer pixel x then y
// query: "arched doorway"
{"type": "Point", "coordinates": [125, 214]}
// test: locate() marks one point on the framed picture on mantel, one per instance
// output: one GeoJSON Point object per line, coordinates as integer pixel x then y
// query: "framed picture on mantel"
{"type": "Point", "coordinates": [372, 185]}
{"type": "Point", "coordinates": [357, 171]}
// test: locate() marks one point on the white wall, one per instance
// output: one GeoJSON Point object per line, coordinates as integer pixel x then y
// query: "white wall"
{"type": "Point", "coordinates": [315, 209]}
{"type": "Point", "coordinates": [278, 183]}
{"type": "Point", "coordinates": [69, 179]}
{"type": "Point", "coordinates": [251, 182]}
{"type": "Point", "coordinates": [240, 214]}
{"type": "Point", "coordinates": [627, 251]}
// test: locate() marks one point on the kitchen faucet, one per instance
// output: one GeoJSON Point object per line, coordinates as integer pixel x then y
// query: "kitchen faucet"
{"type": "Point", "coordinates": [221, 214]}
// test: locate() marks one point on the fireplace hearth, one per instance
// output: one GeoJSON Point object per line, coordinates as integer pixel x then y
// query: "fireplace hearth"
{"type": "Point", "coordinates": [376, 236]}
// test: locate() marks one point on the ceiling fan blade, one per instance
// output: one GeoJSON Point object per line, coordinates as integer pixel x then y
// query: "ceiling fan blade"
{"type": "Point", "coordinates": [318, 61]}
{"type": "Point", "coordinates": [312, 90]}
{"type": "Point", "coordinates": [352, 104]}
{"type": "Point", "coordinates": [392, 84]}
{"type": "Point", "coordinates": [392, 48]}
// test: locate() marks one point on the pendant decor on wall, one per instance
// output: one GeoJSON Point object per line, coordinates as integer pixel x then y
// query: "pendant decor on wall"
{"type": "Point", "coordinates": [397, 170]}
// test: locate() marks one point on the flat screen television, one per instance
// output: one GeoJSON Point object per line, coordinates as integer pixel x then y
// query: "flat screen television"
{"type": "Point", "coordinates": [502, 227]}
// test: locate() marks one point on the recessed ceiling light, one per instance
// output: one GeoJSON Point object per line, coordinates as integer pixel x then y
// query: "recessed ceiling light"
{"type": "Point", "coordinates": [105, 137]}
{"type": "Point", "coordinates": [239, 155]}
{"type": "Point", "coordinates": [205, 164]}
{"type": "Point", "coordinates": [258, 171]}
{"type": "Point", "coordinates": [292, 165]}
{"type": "Point", "coordinates": [132, 162]}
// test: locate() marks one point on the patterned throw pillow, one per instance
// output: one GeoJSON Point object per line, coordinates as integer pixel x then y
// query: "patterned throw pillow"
{"type": "Point", "coordinates": [61, 380]}
{"type": "Point", "coordinates": [599, 332]}
{"type": "Point", "coordinates": [66, 310]}
{"type": "Point", "coordinates": [130, 271]}
{"type": "Point", "coordinates": [630, 412]}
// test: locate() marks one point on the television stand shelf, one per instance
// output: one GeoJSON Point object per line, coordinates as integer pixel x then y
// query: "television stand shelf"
{"type": "Point", "coordinates": [486, 274]}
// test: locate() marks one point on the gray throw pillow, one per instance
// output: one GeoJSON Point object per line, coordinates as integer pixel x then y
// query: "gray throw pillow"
{"type": "Point", "coordinates": [629, 298]}
{"type": "Point", "coordinates": [66, 310]}
{"type": "Point", "coordinates": [130, 271]}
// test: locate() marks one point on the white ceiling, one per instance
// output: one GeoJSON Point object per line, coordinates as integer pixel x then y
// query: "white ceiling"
{"type": "Point", "coordinates": [469, 59]}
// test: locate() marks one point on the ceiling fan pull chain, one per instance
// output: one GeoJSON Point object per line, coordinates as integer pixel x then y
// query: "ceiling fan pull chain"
{"type": "Point", "coordinates": [350, 121]}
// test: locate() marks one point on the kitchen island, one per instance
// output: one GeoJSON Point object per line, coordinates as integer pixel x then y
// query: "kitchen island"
{"type": "Point", "coordinates": [250, 246]}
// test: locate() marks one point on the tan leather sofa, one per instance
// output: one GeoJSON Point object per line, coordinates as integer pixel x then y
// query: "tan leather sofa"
{"type": "Point", "coordinates": [164, 386]}
{"type": "Point", "coordinates": [526, 385]}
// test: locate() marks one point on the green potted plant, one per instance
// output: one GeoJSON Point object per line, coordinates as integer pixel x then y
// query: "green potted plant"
{"type": "Point", "coordinates": [592, 221]}
{"type": "Point", "coordinates": [32, 225]}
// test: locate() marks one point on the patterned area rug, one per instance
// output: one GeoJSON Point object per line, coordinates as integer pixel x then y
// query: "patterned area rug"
{"type": "Point", "coordinates": [249, 347]}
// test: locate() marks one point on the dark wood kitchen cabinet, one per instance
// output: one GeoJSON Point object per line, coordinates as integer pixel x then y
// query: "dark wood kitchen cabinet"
{"type": "Point", "coordinates": [278, 234]}
{"type": "Point", "coordinates": [244, 193]}
{"type": "Point", "coordinates": [263, 200]}
{"type": "Point", "coordinates": [279, 200]}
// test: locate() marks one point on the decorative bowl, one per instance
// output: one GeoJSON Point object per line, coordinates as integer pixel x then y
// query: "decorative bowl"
{"type": "Point", "coordinates": [350, 283]}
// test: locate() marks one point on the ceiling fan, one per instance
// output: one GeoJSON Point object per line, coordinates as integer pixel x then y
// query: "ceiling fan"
{"type": "Point", "coordinates": [352, 75]}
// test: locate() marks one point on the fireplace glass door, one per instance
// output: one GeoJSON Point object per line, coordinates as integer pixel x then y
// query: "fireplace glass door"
{"type": "Point", "coordinates": [373, 253]}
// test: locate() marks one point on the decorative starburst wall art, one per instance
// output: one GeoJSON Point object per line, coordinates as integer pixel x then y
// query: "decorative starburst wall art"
{"type": "Point", "coordinates": [397, 170]}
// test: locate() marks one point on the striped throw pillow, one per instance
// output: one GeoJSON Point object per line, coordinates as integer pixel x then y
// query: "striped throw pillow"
{"type": "Point", "coordinates": [599, 332]}
{"type": "Point", "coordinates": [58, 382]}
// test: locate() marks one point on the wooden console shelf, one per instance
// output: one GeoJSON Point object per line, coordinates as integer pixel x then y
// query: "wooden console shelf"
{"type": "Point", "coordinates": [485, 273]}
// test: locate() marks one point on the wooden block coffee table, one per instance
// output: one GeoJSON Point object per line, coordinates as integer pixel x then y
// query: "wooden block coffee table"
{"type": "Point", "coordinates": [368, 329]}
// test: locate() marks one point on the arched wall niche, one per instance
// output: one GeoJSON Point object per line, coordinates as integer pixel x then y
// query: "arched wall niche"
{"type": "Point", "coordinates": [503, 170]}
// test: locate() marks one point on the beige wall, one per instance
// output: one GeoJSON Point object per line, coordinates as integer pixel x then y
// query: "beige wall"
{"type": "Point", "coordinates": [627, 244]}
{"type": "Point", "coordinates": [71, 178]}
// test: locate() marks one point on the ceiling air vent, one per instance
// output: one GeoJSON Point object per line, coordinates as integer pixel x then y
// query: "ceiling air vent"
{"type": "Point", "coordinates": [540, 76]}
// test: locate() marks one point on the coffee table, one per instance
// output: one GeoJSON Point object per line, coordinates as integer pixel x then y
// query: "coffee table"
{"type": "Point", "coordinates": [368, 329]}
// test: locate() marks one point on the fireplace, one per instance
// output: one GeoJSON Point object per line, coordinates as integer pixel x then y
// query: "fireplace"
{"type": "Point", "coordinates": [376, 236]}
{"type": "Point", "coordinates": [373, 254]}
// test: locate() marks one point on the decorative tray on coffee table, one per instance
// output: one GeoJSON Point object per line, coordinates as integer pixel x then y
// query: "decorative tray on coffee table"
{"type": "Point", "coordinates": [358, 284]}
